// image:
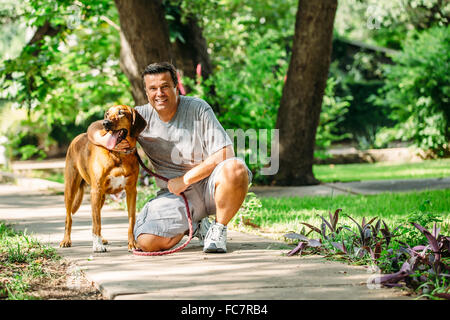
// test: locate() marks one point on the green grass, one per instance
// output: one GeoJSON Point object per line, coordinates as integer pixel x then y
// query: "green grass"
{"type": "Point", "coordinates": [383, 171]}
{"type": "Point", "coordinates": [280, 215]}
{"type": "Point", "coordinates": [51, 175]}
{"type": "Point", "coordinates": [23, 262]}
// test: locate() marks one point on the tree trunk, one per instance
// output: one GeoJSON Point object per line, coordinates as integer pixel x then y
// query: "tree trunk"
{"type": "Point", "coordinates": [144, 39]}
{"type": "Point", "coordinates": [193, 51]}
{"type": "Point", "coordinates": [301, 103]}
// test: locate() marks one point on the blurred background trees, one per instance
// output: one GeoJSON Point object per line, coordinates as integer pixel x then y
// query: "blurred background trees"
{"type": "Point", "coordinates": [387, 84]}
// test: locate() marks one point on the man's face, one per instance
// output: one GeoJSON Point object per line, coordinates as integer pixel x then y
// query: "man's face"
{"type": "Point", "coordinates": [161, 92]}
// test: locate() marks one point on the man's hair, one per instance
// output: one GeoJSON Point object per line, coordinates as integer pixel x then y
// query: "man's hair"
{"type": "Point", "coordinates": [161, 67]}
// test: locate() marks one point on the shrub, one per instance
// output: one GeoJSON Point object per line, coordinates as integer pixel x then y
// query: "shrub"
{"type": "Point", "coordinates": [418, 88]}
{"type": "Point", "coordinates": [332, 114]}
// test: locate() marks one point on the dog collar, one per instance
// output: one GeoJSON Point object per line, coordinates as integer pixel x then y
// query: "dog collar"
{"type": "Point", "coordinates": [129, 151]}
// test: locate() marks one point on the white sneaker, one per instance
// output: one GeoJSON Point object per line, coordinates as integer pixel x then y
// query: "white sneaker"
{"type": "Point", "coordinates": [202, 230]}
{"type": "Point", "coordinates": [216, 239]}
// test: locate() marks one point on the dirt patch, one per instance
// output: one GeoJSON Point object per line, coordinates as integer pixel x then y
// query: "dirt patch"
{"type": "Point", "coordinates": [63, 280]}
{"type": "Point", "coordinates": [70, 283]}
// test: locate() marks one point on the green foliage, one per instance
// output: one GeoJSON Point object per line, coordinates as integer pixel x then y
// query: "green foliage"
{"type": "Point", "coordinates": [387, 23]}
{"type": "Point", "coordinates": [229, 25]}
{"type": "Point", "coordinates": [145, 192]}
{"type": "Point", "coordinates": [417, 88]}
{"type": "Point", "coordinates": [247, 93]}
{"type": "Point", "coordinates": [333, 110]}
{"type": "Point", "coordinates": [25, 138]}
{"type": "Point", "coordinates": [248, 209]}
{"type": "Point", "coordinates": [424, 217]}
{"type": "Point", "coordinates": [248, 96]}
{"type": "Point", "coordinates": [70, 77]}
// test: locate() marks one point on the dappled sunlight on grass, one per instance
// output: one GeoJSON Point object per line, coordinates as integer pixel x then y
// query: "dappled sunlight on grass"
{"type": "Point", "coordinates": [286, 214]}
{"type": "Point", "coordinates": [383, 170]}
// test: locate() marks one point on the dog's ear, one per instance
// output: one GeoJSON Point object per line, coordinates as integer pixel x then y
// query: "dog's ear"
{"type": "Point", "coordinates": [138, 124]}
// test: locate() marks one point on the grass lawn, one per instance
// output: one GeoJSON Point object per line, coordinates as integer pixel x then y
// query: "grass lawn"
{"type": "Point", "coordinates": [30, 270]}
{"type": "Point", "coordinates": [279, 215]}
{"type": "Point", "coordinates": [51, 175]}
{"type": "Point", "coordinates": [382, 171]}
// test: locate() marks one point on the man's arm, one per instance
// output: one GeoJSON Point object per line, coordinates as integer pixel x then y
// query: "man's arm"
{"type": "Point", "coordinates": [201, 171]}
{"type": "Point", "coordinates": [99, 136]}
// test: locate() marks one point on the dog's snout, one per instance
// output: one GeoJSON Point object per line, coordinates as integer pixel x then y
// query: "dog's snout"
{"type": "Point", "coordinates": [107, 124]}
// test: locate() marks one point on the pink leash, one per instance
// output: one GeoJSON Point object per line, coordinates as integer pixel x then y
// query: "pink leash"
{"type": "Point", "coordinates": [139, 252]}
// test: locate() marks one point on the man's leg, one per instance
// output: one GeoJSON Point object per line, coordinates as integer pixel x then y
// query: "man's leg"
{"type": "Point", "coordinates": [150, 242]}
{"type": "Point", "coordinates": [231, 189]}
{"type": "Point", "coordinates": [160, 224]}
{"type": "Point", "coordinates": [231, 186]}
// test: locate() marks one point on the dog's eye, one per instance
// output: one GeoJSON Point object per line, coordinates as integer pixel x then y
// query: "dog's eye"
{"type": "Point", "coordinates": [121, 112]}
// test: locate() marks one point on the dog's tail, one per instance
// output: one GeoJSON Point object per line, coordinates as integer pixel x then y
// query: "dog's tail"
{"type": "Point", "coordinates": [78, 197]}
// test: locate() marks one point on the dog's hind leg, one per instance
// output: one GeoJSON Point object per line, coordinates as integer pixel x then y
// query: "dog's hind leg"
{"type": "Point", "coordinates": [73, 187]}
{"type": "Point", "coordinates": [78, 199]}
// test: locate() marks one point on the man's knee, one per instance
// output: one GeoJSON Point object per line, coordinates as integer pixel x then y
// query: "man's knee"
{"type": "Point", "coordinates": [151, 243]}
{"type": "Point", "coordinates": [235, 173]}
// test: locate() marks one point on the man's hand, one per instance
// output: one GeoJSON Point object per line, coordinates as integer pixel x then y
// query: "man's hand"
{"type": "Point", "coordinates": [177, 185]}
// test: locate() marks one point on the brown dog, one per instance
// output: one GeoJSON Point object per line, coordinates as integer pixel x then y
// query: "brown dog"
{"type": "Point", "coordinates": [106, 171]}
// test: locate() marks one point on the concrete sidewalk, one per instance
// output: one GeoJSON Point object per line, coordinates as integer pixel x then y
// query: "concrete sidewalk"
{"type": "Point", "coordinates": [255, 268]}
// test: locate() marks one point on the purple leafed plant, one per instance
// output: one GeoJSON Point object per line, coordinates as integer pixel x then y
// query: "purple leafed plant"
{"type": "Point", "coordinates": [340, 246]}
{"type": "Point", "coordinates": [423, 256]}
{"type": "Point", "coordinates": [331, 224]}
{"type": "Point", "coordinates": [426, 263]}
{"type": "Point", "coordinates": [365, 231]}
{"type": "Point", "coordinates": [303, 244]}
{"type": "Point", "coordinates": [391, 280]}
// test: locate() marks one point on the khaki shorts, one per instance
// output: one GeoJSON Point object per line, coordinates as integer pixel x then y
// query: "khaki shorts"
{"type": "Point", "coordinates": [166, 214]}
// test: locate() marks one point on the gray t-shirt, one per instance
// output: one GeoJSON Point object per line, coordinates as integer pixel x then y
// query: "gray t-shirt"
{"type": "Point", "coordinates": [175, 147]}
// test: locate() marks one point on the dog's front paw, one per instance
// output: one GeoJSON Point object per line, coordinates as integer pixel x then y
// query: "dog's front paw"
{"type": "Point", "coordinates": [97, 244]}
{"type": "Point", "coordinates": [131, 245]}
{"type": "Point", "coordinates": [98, 248]}
{"type": "Point", "coordinates": [65, 243]}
